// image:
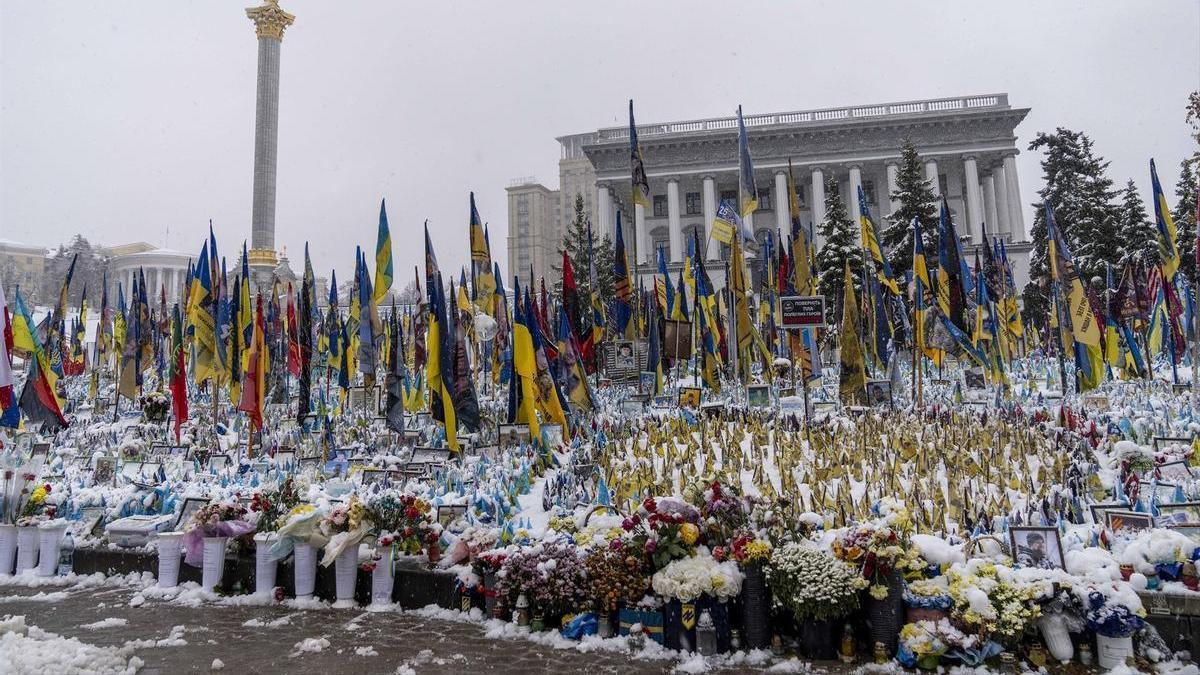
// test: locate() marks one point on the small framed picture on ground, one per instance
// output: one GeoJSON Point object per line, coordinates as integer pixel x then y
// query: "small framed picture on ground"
{"type": "Point", "coordinates": [632, 406]}
{"type": "Point", "coordinates": [448, 513]}
{"type": "Point", "coordinates": [758, 396]}
{"type": "Point", "coordinates": [190, 506]}
{"type": "Point", "coordinates": [513, 435]}
{"type": "Point", "coordinates": [1127, 521]}
{"type": "Point", "coordinates": [1038, 547]}
{"type": "Point", "coordinates": [1176, 472]}
{"type": "Point", "coordinates": [553, 434]}
{"type": "Point", "coordinates": [218, 461]}
{"type": "Point", "coordinates": [433, 455]}
{"type": "Point", "coordinates": [1098, 511]}
{"type": "Point", "coordinates": [879, 393]}
{"type": "Point", "coordinates": [1178, 514]}
{"type": "Point", "coordinates": [371, 477]}
{"type": "Point", "coordinates": [105, 471]}
{"type": "Point", "coordinates": [1163, 442]}
{"type": "Point", "coordinates": [40, 450]}
{"type": "Point", "coordinates": [689, 397]}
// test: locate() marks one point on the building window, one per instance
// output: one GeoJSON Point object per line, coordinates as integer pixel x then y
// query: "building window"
{"type": "Point", "coordinates": [691, 234]}
{"type": "Point", "coordinates": [730, 196]}
{"type": "Point", "coordinates": [800, 195]}
{"type": "Point", "coordinates": [764, 198]}
{"type": "Point", "coordinates": [522, 205]}
{"type": "Point", "coordinates": [693, 204]}
{"type": "Point", "coordinates": [868, 187]}
{"type": "Point", "coordinates": [660, 206]}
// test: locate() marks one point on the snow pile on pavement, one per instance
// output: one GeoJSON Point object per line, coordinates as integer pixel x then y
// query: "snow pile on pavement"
{"type": "Point", "coordinates": [110, 622]}
{"type": "Point", "coordinates": [28, 649]}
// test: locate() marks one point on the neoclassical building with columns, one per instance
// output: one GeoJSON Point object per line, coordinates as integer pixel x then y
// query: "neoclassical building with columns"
{"type": "Point", "coordinates": [968, 145]}
{"type": "Point", "coordinates": [164, 269]}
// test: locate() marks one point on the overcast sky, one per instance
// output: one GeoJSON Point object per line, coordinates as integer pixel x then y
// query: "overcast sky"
{"type": "Point", "coordinates": [129, 121]}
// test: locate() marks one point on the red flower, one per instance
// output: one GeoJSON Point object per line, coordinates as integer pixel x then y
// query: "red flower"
{"type": "Point", "coordinates": [47, 486]}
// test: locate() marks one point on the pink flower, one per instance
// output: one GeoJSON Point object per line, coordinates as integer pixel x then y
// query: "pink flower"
{"type": "Point", "coordinates": [651, 545]}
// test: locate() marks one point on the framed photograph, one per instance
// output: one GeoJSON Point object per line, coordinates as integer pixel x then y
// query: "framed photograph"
{"type": "Point", "coordinates": [357, 401]}
{"type": "Point", "coordinates": [190, 506]}
{"type": "Point", "coordinates": [1096, 402]}
{"type": "Point", "coordinates": [422, 419]}
{"type": "Point", "coordinates": [1176, 472]}
{"type": "Point", "coordinates": [1182, 513]}
{"type": "Point", "coordinates": [1037, 547]}
{"type": "Point", "coordinates": [310, 462]}
{"type": "Point", "coordinates": [973, 378]}
{"type": "Point", "coordinates": [879, 393]}
{"type": "Point", "coordinates": [1191, 531]}
{"type": "Point", "coordinates": [40, 449]}
{"type": "Point", "coordinates": [105, 471]}
{"type": "Point", "coordinates": [131, 470]}
{"type": "Point", "coordinates": [434, 455]}
{"type": "Point", "coordinates": [1164, 492]}
{"type": "Point", "coordinates": [283, 457]}
{"type": "Point", "coordinates": [373, 477]}
{"type": "Point", "coordinates": [758, 396]}
{"type": "Point", "coordinates": [448, 513]}
{"type": "Point", "coordinates": [553, 433]}
{"type": "Point", "coordinates": [219, 461]}
{"type": "Point", "coordinates": [513, 435]}
{"type": "Point", "coordinates": [1098, 511]}
{"type": "Point", "coordinates": [92, 518]}
{"type": "Point", "coordinates": [1164, 442]}
{"type": "Point", "coordinates": [646, 380]}
{"type": "Point", "coordinates": [689, 397]}
{"type": "Point", "coordinates": [1119, 521]}
{"type": "Point", "coordinates": [677, 339]}
{"type": "Point", "coordinates": [624, 357]}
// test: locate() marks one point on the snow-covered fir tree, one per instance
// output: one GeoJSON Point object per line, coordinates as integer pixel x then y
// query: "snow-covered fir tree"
{"type": "Point", "coordinates": [1184, 215]}
{"type": "Point", "coordinates": [915, 199]}
{"type": "Point", "coordinates": [1138, 238]}
{"type": "Point", "coordinates": [841, 246]}
{"type": "Point", "coordinates": [575, 242]}
{"type": "Point", "coordinates": [1082, 197]}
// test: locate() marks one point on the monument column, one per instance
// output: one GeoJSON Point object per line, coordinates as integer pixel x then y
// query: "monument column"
{"type": "Point", "coordinates": [817, 204]}
{"type": "Point", "coordinates": [709, 202]}
{"type": "Point", "coordinates": [783, 208]}
{"type": "Point", "coordinates": [931, 175]}
{"type": "Point", "coordinates": [674, 229]}
{"type": "Point", "coordinates": [1016, 218]}
{"type": "Point", "coordinates": [269, 23]}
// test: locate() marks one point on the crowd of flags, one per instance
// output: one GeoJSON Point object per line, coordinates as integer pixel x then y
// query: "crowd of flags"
{"type": "Point", "coordinates": [230, 340]}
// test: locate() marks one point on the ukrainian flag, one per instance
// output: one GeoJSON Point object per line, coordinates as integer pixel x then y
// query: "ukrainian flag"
{"type": "Point", "coordinates": [383, 255]}
{"type": "Point", "coordinates": [1168, 249]}
{"type": "Point", "coordinates": [870, 239]}
{"type": "Point", "coordinates": [747, 191]}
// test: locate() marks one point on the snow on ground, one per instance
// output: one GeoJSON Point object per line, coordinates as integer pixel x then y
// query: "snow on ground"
{"type": "Point", "coordinates": [110, 622]}
{"type": "Point", "coordinates": [27, 649]}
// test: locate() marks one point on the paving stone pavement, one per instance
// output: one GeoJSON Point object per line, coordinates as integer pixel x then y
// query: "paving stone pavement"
{"type": "Point", "coordinates": [359, 642]}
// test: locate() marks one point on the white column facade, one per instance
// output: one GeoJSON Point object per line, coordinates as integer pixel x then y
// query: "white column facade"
{"type": "Point", "coordinates": [1000, 184]}
{"type": "Point", "coordinates": [931, 175]}
{"type": "Point", "coordinates": [783, 221]}
{"type": "Point", "coordinates": [643, 237]}
{"type": "Point", "coordinates": [855, 185]}
{"type": "Point", "coordinates": [709, 201]}
{"type": "Point", "coordinates": [1016, 217]}
{"type": "Point", "coordinates": [990, 219]}
{"type": "Point", "coordinates": [817, 202]}
{"type": "Point", "coordinates": [604, 212]}
{"type": "Point", "coordinates": [974, 198]}
{"type": "Point", "coordinates": [893, 173]}
{"type": "Point", "coordinates": [675, 229]}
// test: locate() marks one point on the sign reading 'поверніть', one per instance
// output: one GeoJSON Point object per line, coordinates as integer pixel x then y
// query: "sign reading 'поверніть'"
{"type": "Point", "coordinates": [802, 311]}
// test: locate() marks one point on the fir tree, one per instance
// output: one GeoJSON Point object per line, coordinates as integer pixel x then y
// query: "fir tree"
{"type": "Point", "coordinates": [1082, 198]}
{"type": "Point", "coordinates": [841, 246]}
{"type": "Point", "coordinates": [1184, 215]}
{"type": "Point", "coordinates": [575, 243]}
{"type": "Point", "coordinates": [89, 272]}
{"type": "Point", "coordinates": [915, 199]}
{"type": "Point", "coordinates": [1139, 240]}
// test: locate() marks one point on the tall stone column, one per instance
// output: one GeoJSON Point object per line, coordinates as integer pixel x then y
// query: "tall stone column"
{"type": "Point", "coordinates": [1000, 182]}
{"type": "Point", "coordinates": [783, 221]}
{"type": "Point", "coordinates": [931, 175]}
{"type": "Point", "coordinates": [604, 215]}
{"type": "Point", "coordinates": [709, 202]}
{"type": "Point", "coordinates": [852, 198]}
{"type": "Point", "coordinates": [817, 205]}
{"type": "Point", "coordinates": [641, 234]}
{"type": "Point", "coordinates": [974, 199]}
{"type": "Point", "coordinates": [893, 175]}
{"type": "Point", "coordinates": [1016, 218]}
{"type": "Point", "coordinates": [269, 23]}
{"type": "Point", "coordinates": [991, 221]}
{"type": "Point", "coordinates": [674, 229]}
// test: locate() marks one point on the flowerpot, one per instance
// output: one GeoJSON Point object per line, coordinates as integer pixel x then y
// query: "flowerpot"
{"type": "Point", "coordinates": [382, 581]}
{"type": "Point", "coordinates": [346, 572]}
{"type": "Point", "coordinates": [1058, 640]}
{"type": "Point", "coordinates": [676, 633]}
{"type": "Point", "coordinates": [8, 548]}
{"type": "Point", "coordinates": [489, 593]}
{"type": "Point", "coordinates": [816, 640]}
{"type": "Point", "coordinates": [27, 548]}
{"type": "Point", "coordinates": [170, 549]}
{"type": "Point", "coordinates": [305, 565]}
{"type": "Point", "coordinates": [884, 617]}
{"type": "Point", "coordinates": [1111, 652]}
{"type": "Point", "coordinates": [929, 661]}
{"type": "Point", "coordinates": [214, 562]}
{"type": "Point", "coordinates": [50, 539]}
{"type": "Point", "coordinates": [435, 554]}
{"type": "Point", "coordinates": [265, 566]}
{"type": "Point", "coordinates": [756, 608]}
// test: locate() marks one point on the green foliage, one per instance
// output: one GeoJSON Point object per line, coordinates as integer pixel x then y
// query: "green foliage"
{"type": "Point", "coordinates": [840, 247]}
{"type": "Point", "coordinates": [915, 199]}
{"type": "Point", "coordinates": [575, 242]}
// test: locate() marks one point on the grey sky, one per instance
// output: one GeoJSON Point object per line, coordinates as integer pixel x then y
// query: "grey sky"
{"type": "Point", "coordinates": [121, 119]}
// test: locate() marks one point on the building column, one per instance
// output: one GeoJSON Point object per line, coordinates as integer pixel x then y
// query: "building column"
{"type": "Point", "coordinates": [931, 175]}
{"type": "Point", "coordinates": [1016, 217]}
{"type": "Point", "coordinates": [675, 230]}
{"type": "Point", "coordinates": [974, 198]}
{"type": "Point", "coordinates": [783, 211]}
{"type": "Point", "coordinates": [644, 253]}
{"type": "Point", "coordinates": [1000, 183]}
{"type": "Point", "coordinates": [817, 205]}
{"type": "Point", "coordinates": [991, 220]}
{"type": "Point", "coordinates": [709, 202]}
{"type": "Point", "coordinates": [855, 185]}
{"type": "Point", "coordinates": [604, 212]}
{"type": "Point", "coordinates": [893, 174]}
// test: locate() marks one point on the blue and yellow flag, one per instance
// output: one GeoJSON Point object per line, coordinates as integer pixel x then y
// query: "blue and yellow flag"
{"type": "Point", "coordinates": [1085, 329]}
{"type": "Point", "coordinates": [1168, 247]}
{"type": "Point", "coordinates": [870, 240]}
{"type": "Point", "coordinates": [727, 223]}
{"type": "Point", "coordinates": [637, 167]}
{"type": "Point", "coordinates": [747, 190]}
{"type": "Point", "coordinates": [484, 284]}
{"type": "Point", "coordinates": [662, 285]}
{"type": "Point", "coordinates": [200, 316]}
{"type": "Point", "coordinates": [383, 255]}
{"type": "Point", "coordinates": [622, 308]}
{"type": "Point", "coordinates": [594, 291]}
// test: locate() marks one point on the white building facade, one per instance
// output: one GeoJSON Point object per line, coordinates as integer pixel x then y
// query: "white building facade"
{"type": "Point", "coordinates": [968, 146]}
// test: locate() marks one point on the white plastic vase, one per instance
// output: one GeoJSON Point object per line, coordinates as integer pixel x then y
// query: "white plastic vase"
{"type": "Point", "coordinates": [50, 539]}
{"type": "Point", "coordinates": [8, 548]}
{"type": "Point", "coordinates": [1058, 639]}
{"type": "Point", "coordinates": [382, 581]}
{"type": "Point", "coordinates": [346, 572]}
{"type": "Point", "coordinates": [1111, 652]}
{"type": "Point", "coordinates": [214, 562]}
{"type": "Point", "coordinates": [306, 570]}
{"type": "Point", "coordinates": [170, 550]}
{"type": "Point", "coordinates": [27, 548]}
{"type": "Point", "coordinates": [264, 565]}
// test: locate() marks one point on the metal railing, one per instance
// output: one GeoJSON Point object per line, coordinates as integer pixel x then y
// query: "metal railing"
{"type": "Point", "coordinates": [904, 108]}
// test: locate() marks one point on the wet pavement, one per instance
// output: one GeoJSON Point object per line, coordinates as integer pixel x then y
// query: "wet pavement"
{"type": "Point", "coordinates": [279, 638]}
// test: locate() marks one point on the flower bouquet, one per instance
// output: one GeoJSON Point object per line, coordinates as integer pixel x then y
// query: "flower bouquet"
{"type": "Point", "coordinates": [687, 581]}
{"type": "Point", "coordinates": [35, 509]}
{"type": "Point", "coordinates": [155, 406]}
{"type": "Point", "coordinates": [344, 527]}
{"type": "Point", "coordinates": [216, 520]}
{"type": "Point", "coordinates": [273, 506]}
{"type": "Point", "coordinates": [998, 608]}
{"type": "Point", "coordinates": [551, 575]}
{"type": "Point", "coordinates": [813, 585]}
{"type": "Point", "coordinates": [751, 555]}
{"type": "Point", "coordinates": [664, 530]}
{"type": "Point", "coordinates": [923, 643]}
{"type": "Point", "coordinates": [616, 577]}
{"type": "Point", "coordinates": [722, 512]}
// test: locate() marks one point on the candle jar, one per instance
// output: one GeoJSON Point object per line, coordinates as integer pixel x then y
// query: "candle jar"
{"type": "Point", "coordinates": [1126, 571]}
{"type": "Point", "coordinates": [1188, 576]}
